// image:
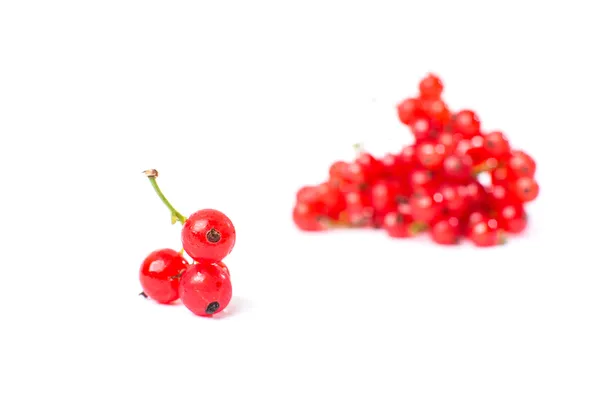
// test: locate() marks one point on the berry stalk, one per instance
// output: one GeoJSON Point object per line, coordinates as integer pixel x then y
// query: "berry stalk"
{"type": "Point", "coordinates": [152, 174]}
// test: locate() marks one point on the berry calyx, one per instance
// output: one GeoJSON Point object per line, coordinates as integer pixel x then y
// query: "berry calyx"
{"type": "Point", "coordinates": [160, 273]}
{"type": "Point", "coordinates": [205, 288]}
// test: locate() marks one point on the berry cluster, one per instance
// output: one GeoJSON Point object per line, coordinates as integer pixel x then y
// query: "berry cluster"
{"type": "Point", "coordinates": [204, 285]}
{"type": "Point", "coordinates": [430, 185]}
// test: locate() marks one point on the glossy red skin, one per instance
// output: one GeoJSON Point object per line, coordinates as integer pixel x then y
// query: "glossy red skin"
{"type": "Point", "coordinates": [421, 129]}
{"type": "Point", "coordinates": [357, 199]}
{"type": "Point", "coordinates": [223, 266]}
{"type": "Point", "coordinates": [475, 216]}
{"type": "Point", "coordinates": [384, 194]}
{"type": "Point", "coordinates": [202, 284]}
{"type": "Point", "coordinates": [395, 165]}
{"type": "Point", "coordinates": [438, 112]}
{"type": "Point", "coordinates": [466, 122]}
{"type": "Point", "coordinates": [371, 167]}
{"type": "Point", "coordinates": [526, 189]}
{"type": "Point", "coordinates": [521, 164]}
{"type": "Point", "coordinates": [307, 219]}
{"type": "Point", "coordinates": [431, 154]}
{"type": "Point", "coordinates": [421, 179]}
{"type": "Point", "coordinates": [485, 233]}
{"type": "Point", "coordinates": [338, 171]}
{"type": "Point", "coordinates": [499, 195]}
{"type": "Point", "coordinates": [496, 145]}
{"type": "Point", "coordinates": [408, 110]}
{"type": "Point", "coordinates": [446, 231]}
{"type": "Point", "coordinates": [194, 235]}
{"type": "Point", "coordinates": [159, 275]}
{"type": "Point", "coordinates": [407, 159]}
{"type": "Point", "coordinates": [512, 217]}
{"type": "Point", "coordinates": [477, 152]}
{"type": "Point", "coordinates": [425, 207]}
{"type": "Point", "coordinates": [499, 176]}
{"type": "Point", "coordinates": [431, 87]}
{"type": "Point", "coordinates": [331, 198]}
{"type": "Point", "coordinates": [399, 225]}
{"type": "Point", "coordinates": [457, 167]}
{"type": "Point", "coordinates": [450, 140]}
{"type": "Point", "coordinates": [474, 193]}
{"type": "Point", "coordinates": [453, 199]}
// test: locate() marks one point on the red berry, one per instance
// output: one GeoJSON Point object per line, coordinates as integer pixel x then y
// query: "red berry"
{"type": "Point", "coordinates": [485, 233]}
{"type": "Point", "coordinates": [521, 164]}
{"type": "Point", "coordinates": [307, 194]}
{"type": "Point", "coordinates": [208, 235]}
{"type": "Point", "coordinates": [498, 194]}
{"type": "Point", "coordinates": [423, 180]}
{"type": "Point", "coordinates": [431, 154]}
{"type": "Point", "coordinates": [474, 193]}
{"type": "Point", "coordinates": [160, 273]}
{"type": "Point", "coordinates": [499, 175]}
{"type": "Point", "coordinates": [438, 112]}
{"type": "Point", "coordinates": [371, 166]}
{"type": "Point", "coordinates": [384, 195]}
{"type": "Point", "coordinates": [512, 217]}
{"type": "Point", "coordinates": [450, 140]}
{"type": "Point", "coordinates": [421, 129]}
{"type": "Point", "coordinates": [466, 122]}
{"type": "Point", "coordinates": [223, 267]}
{"type": "Point", "coordinates": [526, 189]}
{"type": "Point", "coordinates": [357, 199]}
{"type": "Point", "coordinates": [331, 198]}
{"type": "Point", "coordinates": [338, 171]}
{"type": "Point", "coordinates": [452, 199]}
{"type": "Point", "coordinates": [496, 145]}
{"type": "Point", "coordinates": [431, 87]}
{"type": "Point", "coordinates": [398, 225]}
{"type": "Point", "coordinates": [474, 217]}
{"type": "Point", "coordinates": [457, 167]}
{"type": "Point", "coordinates": [425, 207]}
{"type": "Point", "coordinates": [476, 151]}
{"type": "Point", "coordinates": [307, 219]}
{"type": "Point", "coordinates": [409, 110]}
{"type": "Point", "coordinates": [392, 165]}
{"type": "Point", "coordinates": [408, 158]}
{"type": "Point", "coordinates": [446, 231]}
{"type": "Point", "coordinates": [205, 289]}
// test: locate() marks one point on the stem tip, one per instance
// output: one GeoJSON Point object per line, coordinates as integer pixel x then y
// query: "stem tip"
{"type": "Point", "coordinates": [151, 173]}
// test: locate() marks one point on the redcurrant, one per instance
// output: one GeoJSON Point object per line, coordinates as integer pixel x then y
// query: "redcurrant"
{"type": "Point", "coordinates": [431, 154]}
{"type": "Point", "coordinates": [466, 122]}
{"type": "Point", "coordinates": [496, 145]}
{"type": "Point", "coordinates": [307, 219]}
{"type": "Point", "coordinates": [512, 217]}
{"type": "Point", "coordinates": [521, 164]}
{"type": "Point", "coordinates": [409, 110]}
{"type": "Point", "coordinates": [205, 288]}
{"type": "Point", "coordinates": [526, 189]}
{"type": "Point", "coordinates": [446, 231]}
{"type": "Point", "coordinates": [398, 225]}
{"type": "Point", "coordinates": [208, 235]}
{"type": "Point", "coordinates": [485, 233]}
{"type": "Point", "coordinates": [431, 87]}
{"type": "Point", "coordinates": [421, 129]}
{"type": "Point", "coordinates": [160, 273]}
{"type": "Point", "coordinates": [457, 167]}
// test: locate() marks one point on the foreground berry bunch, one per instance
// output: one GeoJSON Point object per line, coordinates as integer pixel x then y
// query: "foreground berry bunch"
{"type": "Point", "coordinates": [432, 185]}
{"type": "Point", "coordinates": [203, 285]}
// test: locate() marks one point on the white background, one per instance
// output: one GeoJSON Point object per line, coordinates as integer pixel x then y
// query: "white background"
{"type": "Point", "coordinates": [237, 104]}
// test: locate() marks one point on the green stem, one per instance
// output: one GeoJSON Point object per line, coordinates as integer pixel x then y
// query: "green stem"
{"type": "Point", "coordinates": [152, 174]}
